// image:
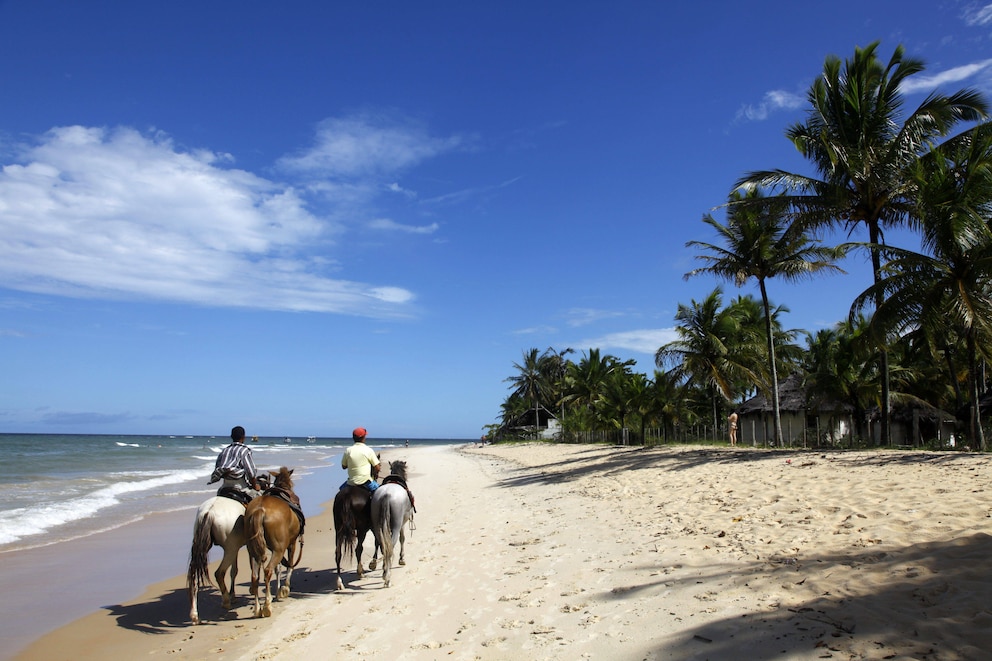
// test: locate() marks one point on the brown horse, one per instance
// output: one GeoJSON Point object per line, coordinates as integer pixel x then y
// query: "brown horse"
{"type": "Point", "coordinates": [273, 526]}
{"type": "Point", "coordinates": [352, 522]}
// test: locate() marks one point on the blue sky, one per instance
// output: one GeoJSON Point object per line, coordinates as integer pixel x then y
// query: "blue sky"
{"type": "Point", "coordinates": [306, 216]}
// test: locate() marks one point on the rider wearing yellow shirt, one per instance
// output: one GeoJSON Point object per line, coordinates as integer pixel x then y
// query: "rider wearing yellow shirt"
{"type": "Point", "coordinates": [361, 462]}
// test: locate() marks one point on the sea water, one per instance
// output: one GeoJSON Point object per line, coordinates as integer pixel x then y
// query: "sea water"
{"type": "Point", "coordinates": [60, 487]}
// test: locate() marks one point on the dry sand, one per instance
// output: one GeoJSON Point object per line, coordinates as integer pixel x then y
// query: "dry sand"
{"type": "Point", "coordinates": [543, 551]}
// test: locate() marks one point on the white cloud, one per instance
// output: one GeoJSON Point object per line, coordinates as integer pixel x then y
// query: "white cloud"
{"type": "Point", "coordinates": [772, 101]}
{"type": "Point", "coordinates": [585, 316]}
{"type": "Point", "coordinates": [978, 15]}
{"type": "Point", "coordinates": [388, 225]}
{"type": "Point", "coordinates": [91, 212]}
{"type": "Point", "coordinates": [954, 75]}
{"type": "Point", "coordinates": [367, 145]}
{"type": "Point", "coordinates": [396, 188]}
{"type": "Point", "coordinates": [647, 340]}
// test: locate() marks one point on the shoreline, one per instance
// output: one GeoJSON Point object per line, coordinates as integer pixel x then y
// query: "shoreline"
{"type": "Point", "coordinates": [561, 551]}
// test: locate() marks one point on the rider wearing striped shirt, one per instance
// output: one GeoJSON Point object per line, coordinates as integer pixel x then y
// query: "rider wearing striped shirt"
{"type": "Point", "coordinates": [236, 467]}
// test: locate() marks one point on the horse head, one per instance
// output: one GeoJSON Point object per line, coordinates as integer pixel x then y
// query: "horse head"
{"type": "Point", "coordinates": [398, 468]}
{"type": "Point", "coordinates": [283, 479]}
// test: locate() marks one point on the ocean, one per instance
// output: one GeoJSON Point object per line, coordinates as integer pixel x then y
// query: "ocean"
{"type": "Point", "coordinates": [61, 487]}
{"type": "Point", "coordinates": [98, 518]}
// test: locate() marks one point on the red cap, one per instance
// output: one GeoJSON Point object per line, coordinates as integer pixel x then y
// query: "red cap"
{"type": "Point", "coordinates": [359, 432]}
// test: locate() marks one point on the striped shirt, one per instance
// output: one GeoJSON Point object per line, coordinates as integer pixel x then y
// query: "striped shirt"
{"type": "Point", "coordinates": [235, 463]}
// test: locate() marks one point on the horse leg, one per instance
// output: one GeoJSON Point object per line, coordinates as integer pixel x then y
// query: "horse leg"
{"type": "Point", "coordinates": [256, 570]}
{"type": "Point", "coordinates": [267, 605]}
{"type": "Point", "coordinates": [358, 552]}
{"type": "Point", "coordinates": [337, 561]}
{"type": "Point", "coordinates": [375, 553]}
{"type": "Point", "coordinates": [229, 561]}
{"type": "Point", "coordinates": [402, 560]}
{"type": "Point", "coordinates": [284, 590]}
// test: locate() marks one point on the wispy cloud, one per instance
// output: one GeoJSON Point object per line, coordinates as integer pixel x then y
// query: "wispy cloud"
{"type": "Point", "coordinates": [584, 316]}
{"type": "Point", "coordinates": [85, 419]}
{"type": "Point", "coordinates": [953, 75]}
{"type": "Point", "coordinates": [462, 195]}
{"type": "Point", "coordinates": [387, 225]}
{"type": "Point", "coordinates": [641, 341]}
{"type": "Point", "coordinates": [536, 330]}
{"type": "Point", "coordinates": [773, 101]}
{"type": "Point", "coordinates": [113, 213]}
{"type": "Point", "coordinates": [367, 144]}
{"type": "Point", "coordinates": [978, 15]}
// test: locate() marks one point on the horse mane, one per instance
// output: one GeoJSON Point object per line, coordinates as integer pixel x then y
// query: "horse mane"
{"type": "Point", "coordinates": [398, 468]}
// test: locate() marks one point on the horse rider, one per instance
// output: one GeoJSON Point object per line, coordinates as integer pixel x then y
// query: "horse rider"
{"type": "Point", "coordinates": [361, 461]}
{"type": "Point", "coordinates": [236, 467]}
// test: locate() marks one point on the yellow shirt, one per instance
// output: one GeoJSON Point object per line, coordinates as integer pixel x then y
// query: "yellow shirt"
{"type": "Point", "coordinates": [359, 460]}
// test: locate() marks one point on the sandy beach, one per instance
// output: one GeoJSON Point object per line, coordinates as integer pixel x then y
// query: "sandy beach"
{"type": "Point", "coordinates": [546, 551]}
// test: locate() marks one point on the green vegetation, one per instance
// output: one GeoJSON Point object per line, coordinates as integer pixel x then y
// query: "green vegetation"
{"type": "Point", "coordinates": [919, 336]}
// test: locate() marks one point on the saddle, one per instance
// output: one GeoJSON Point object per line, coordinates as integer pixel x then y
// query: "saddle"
{"type": "Point", "coordinates": [396, 479]}
{"type": "Point", "coordinates": [291, 499]}
{"type": "Point", "coordinates": [235, 494]}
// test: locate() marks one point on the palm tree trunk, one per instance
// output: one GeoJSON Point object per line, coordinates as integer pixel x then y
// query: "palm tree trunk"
{"type": "Point", "coordinates": [883, 352]}
{"type": "Point", "coordinates": [977, 434]}
{"type": "Point", "coordinates": [771, 360]}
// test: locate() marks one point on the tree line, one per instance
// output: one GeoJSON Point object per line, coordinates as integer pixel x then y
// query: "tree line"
{"type": "Point", "coordinates": [920, 335]}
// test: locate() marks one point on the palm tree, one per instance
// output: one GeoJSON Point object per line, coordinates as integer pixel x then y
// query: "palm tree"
{"type": "Point", "coordinates": [863, 150]}
{"type": "Point", "coordinates": [759, 243]}
{"type": "Point", "coordinates": [586, 380]}
{"type": "Point", "coordinates": [530, 383]}
{"type": "Point", "coordinates": [706, 354]}
{"type": "Point", "coordinates": [554, 365]}
{"type": "Point", "coordinates": [838, 366]}
{"type": "Point", "coordinates": [951, 283]}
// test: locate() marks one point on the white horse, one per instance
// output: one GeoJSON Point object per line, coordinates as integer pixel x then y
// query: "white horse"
{"type": "Point", "coordinates": [220, 521]}
{"type": "Point", "coordinates": [392, 509]}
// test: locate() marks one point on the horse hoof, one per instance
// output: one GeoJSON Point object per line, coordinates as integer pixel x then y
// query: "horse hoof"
{"type": "Point", "coordinates": [340, 585]}
{"type": "Point", "coordinates": [402, 561]}
{"type": "Point", "coordinates": [283, 592]}
{"type": "Point", "coordinates": [266, 612]}
{"type": "Point", "coordinates": [372, 565]}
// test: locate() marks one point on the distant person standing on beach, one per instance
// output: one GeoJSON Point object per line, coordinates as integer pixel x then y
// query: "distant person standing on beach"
{"type": "Point", "coordinates": [236, 466]}
{"type": "Point", "coordinates": [361, 462]}
{"type": "Point", "coordinates": [732, 420]}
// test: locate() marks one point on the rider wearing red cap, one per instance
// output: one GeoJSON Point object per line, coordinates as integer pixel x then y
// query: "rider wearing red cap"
{"type": "Point", "coordinates": [361, 462]}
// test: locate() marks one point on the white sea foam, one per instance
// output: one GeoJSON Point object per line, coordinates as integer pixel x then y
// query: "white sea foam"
{"type": "Point", "coordinates": [21, 523]}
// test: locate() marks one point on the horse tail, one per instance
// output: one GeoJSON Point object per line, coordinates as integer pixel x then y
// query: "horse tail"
{"type": "Point", "coordinates": [384, 512]}
{"type": "Point", "coordinates": [348, 534]}
{"type": "Point", "coordinates": [255, 533]}
{"type": "Point", "coordinates": [197, 575]}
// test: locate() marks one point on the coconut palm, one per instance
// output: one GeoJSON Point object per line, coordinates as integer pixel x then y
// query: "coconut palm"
{"type": "Point", "coordinates": [951, 282]}
{"type": "Point", "coordinates": [707, 353]}
{"type": "Point", "coordinates": [759, 242]}
{"type": "Point", "coordinates": [530, 383]}
{"type": "Point", "coordinates": [838, 366]}
{"type": "Point", "coordinates": [586, 380]}
{"type": "Point", "coordinates": [863, 150]}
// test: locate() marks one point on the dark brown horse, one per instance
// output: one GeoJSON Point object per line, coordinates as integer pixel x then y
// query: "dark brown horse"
{"type": "Point", "coordinates": [352, 522]}
{"type": "Point", "coordinates": [273, 526]}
